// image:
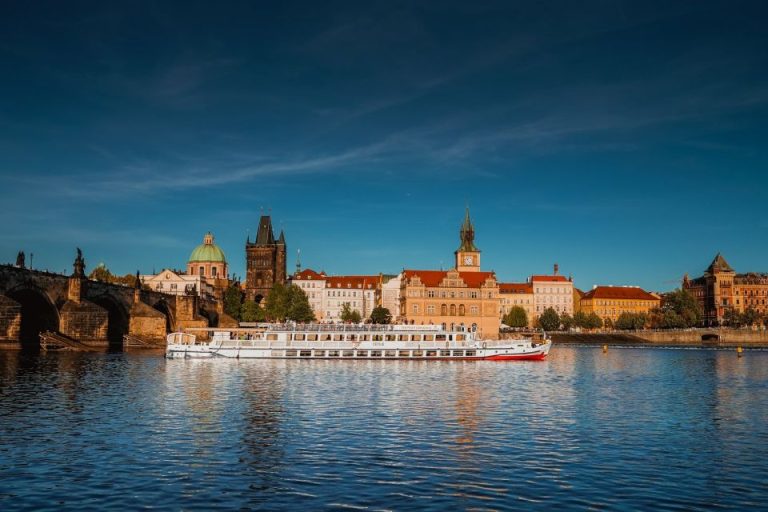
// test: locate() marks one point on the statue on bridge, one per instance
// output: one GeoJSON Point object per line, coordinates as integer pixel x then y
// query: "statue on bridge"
{"type": "Point", "coordinates": [79, 264]}
{"type": "Point", "coordinates": [20, 260]}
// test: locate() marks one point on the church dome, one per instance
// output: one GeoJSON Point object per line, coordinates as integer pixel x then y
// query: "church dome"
{"type": "Point", "coordinates": [207, 251]}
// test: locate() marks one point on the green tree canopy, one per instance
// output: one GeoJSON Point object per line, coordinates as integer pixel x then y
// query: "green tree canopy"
{"type": "Point", "coordinates": [631, 321]}
{"type": "Point", "coordinates": [233, 300]}
{"type": "Point", "coordinates": [251, 312]}
{"type": "Point", "coordinates": [350, 315]}
{"type": "Point", "coordinates": [517, 317]}
{"type": "Point", "coordinates": [381, 315]}
{"type": "Point", "coordinates": [684, 305]}
{"type": "Point", "coordinates": [593, 321]}
{"type": "Point", "coordinates": [299, 309]}
{"type": "Point", "coordinates": [549, 320]}
{"type": "Point", "coordinates": [288, 302]}
{"type": "Point", "coordinates": [566, 321]}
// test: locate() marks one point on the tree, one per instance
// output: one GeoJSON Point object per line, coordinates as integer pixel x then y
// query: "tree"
{"type": "Point", "coordinates": [277, 304]}
{"type": "Point", "coordinates": [631, 321]}
{"type": "Point", "coordinates": [750, 317]}
{"type": "Point", "coordinates": [299, 309]}
{"type": "Point", "coordinates": [683, 304]}
{"type": "Point", "coordinates": [349, 315]}
{"type": "Point", "coordinates": [233, 300]}
{"type": "Point", "coordinates": [381, 315]}
{"type": "Point", "coordinates": [580, 320]}
{"type": "Point", "coordinates": [517, 317]}
{"type": "Point", "coordinates": [566, 321]}
{"type": "Point", "coordinates": [732, 318]}
{"type": "Point", "coordinates": [101, 273]}
{"type": "Point", "coordinates": [593, 321]}
{"type": "Point", "coordinates": [549, 320]}
{"type": "Point", "coordinates": [251, 312]}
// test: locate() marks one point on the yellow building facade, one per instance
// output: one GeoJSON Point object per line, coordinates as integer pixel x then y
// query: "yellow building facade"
{"type": "Point", "coordinates": [463, 296]}
{"type": "Point", "coordinates": [609, 302]}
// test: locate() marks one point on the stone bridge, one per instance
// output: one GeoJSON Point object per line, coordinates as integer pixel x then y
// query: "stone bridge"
{"type": "Point", "coordinates": [93, 312]}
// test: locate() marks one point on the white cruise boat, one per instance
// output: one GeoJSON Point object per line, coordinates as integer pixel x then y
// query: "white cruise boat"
{"type": "Point", "coordinates": [344, 341]}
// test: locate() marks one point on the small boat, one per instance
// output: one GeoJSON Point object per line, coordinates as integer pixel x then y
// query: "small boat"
{"type": "Point", "coordinates": [344, 341]}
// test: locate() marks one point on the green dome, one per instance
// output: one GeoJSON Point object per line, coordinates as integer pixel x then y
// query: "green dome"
{"type": "Point", "coordinates": [208, 251]}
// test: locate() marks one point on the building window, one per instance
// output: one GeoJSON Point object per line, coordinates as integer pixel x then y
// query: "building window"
{"type": "Point", "coordinates": [453, 309]}
{"type": "Point", "coordinates": [431, 309]}
{"type": "Point", "coordinates": [415, 309]}
{"type": "Point", "coordinates": [443, 310]}
{"type": "Point", "coordinates": [461, 310]}
{"type": "Point", "coordinates": [213, 271]}
{"type": "Point", "coordinates": [202, 271]}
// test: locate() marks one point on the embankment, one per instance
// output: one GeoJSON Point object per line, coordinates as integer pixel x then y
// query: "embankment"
{"type": "Point", "coordinates": [726, 338]}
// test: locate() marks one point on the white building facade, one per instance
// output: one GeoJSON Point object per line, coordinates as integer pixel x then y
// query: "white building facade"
{"type": "Point", "coordinates": [176, 283]}
{"type": "Point", "coordinates": [554, 292]}
{"type": "Point", "coordinates": [328, 294]}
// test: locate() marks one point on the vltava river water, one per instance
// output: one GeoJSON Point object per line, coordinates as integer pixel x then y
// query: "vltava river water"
{"type": "Point", "coordinates": [631, 429]}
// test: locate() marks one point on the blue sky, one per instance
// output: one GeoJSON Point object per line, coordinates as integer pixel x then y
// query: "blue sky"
{"type": "Point", "coordinates": [625, 141]}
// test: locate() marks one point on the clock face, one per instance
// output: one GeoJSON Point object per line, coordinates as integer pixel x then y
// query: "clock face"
{"type": "Point", "coordinates": [467, 260]}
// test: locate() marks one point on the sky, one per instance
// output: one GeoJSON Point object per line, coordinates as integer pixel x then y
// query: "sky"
{"type": "Point", "coordinates": [625, 141]}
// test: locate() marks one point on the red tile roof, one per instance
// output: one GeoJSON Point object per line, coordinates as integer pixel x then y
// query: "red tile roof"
{"type": "Point", "coordinates": [515, 288]}
{"type": "Point", "coordinates": [365, 282]}
{"type": "Point", "coordinates": [549, 278]}
{"type": "Point", "coordinates": [619, 292]}
{"type": "Point", "coordinates": [308, 273]}
{"type": "Point", "coordinates": [432, 278]}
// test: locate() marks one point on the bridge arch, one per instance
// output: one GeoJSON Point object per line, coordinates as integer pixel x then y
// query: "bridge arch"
{"type": "Point", "coordinates": [38, 314]}
{"type": "Point", "coordinates": [118, 319]}
{"type": "Point", "coordinates": [163, 307]}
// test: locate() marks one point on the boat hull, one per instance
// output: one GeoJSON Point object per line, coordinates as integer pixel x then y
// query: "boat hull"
{"type": "Point", "coordinates": [536, 353]}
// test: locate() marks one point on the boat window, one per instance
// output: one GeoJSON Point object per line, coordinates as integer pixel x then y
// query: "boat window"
{"type": "Point", "coordinates": [362, 353]}
{"type": "Point", "coordinates": [403, 337]}
{"type": "Point", "coordinates": [352, 337]}
{"type": "Point", "coordinates": [390, 353]}
{"type": "Point", "coordinates": [319, 353]}
{"type": "Point", "coordinates": [333, 353]}
{"type": "Point", "coordinates": [440, 337]}
{"type": "Point", "coordinates": [290, 353]}
{"type": "Point", "coordinates": [461, 337]}
{"type": "Point", "coordinates": [338, 337]}
{"type": "Point", "coordinates": [458, 353]}
{"type": "Point", "coordinates": [375, 353]}
{"type": "Point", "coordinates": [298, 337]}
{"type": "Point", "coordinates": [325, 337]}
{"type": "Point", "coordinates": [431, 353]}
{"type": "Point", "coordinates": [418, 353]}
{"type": "Point", "coordinates": [429, 337]}
{"type": "Point", "coordinates": [272, 337]}
{"type": "Point", "coordinates": [445, 353]}
{"type": "Point", "coordinates": [278, 353]}
{"type": "Point", "coordinates": [365, 337]}
{"type": "Point", "coordinates": [390, 337]}
{"type": "Point", "coordinates": [311, 337]}
{"type": "Point", "coordinates": [348, 353]}
{"type": "Point", "coordinates": [305, 353]}
{"type": "Point", "coordinates": [450, 337]}
{"type": "Point", "coordinates": [416, 337]}
{"type": "Point", "coordinates": [470, 353]}
{"type": "Point", "coordinates": [403, 353]}
{"type": "Point", "coordinates": [377, 337]}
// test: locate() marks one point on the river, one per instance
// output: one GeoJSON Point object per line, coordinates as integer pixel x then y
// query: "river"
{"type": "Point", "coordinates": [651, 428]}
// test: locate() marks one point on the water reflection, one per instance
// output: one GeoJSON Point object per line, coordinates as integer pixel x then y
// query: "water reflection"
{"type": "Point", "coordinates": [632, 429]}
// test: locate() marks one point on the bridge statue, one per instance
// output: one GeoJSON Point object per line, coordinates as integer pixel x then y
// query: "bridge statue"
{"type": "Point", "coordinates": [20, 260]}
{"type": "Point", "coordinates": [79, 264]}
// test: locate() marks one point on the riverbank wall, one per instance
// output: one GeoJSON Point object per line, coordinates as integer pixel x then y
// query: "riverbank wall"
{"type": "Point", "coordinates": [725, 338]}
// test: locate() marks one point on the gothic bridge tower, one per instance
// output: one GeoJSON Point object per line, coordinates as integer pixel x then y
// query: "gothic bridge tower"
{"type": "Point", "coordinates": [265, 261]}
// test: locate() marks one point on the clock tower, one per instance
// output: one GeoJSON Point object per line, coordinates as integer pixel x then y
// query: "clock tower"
{"type": "Point", "coordinates": [467, 255]}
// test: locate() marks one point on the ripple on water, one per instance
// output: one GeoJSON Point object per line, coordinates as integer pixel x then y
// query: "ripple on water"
{"type": "Point", "coordinates": [631, 429]}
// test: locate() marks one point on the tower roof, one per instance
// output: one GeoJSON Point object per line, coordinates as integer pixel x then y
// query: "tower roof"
{"type": "Point", "coordinates": [265, 235]}
{"type": "Point", "coordinates": [208, 251]}
{"type": "Point", "coordinates": [719, 265]}
{"type": "Point", "coordinates": [467, 235]}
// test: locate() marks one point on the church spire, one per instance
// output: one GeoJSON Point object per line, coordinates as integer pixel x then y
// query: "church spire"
{"type": "Point", "coordinates": [467, 234]}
